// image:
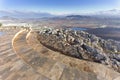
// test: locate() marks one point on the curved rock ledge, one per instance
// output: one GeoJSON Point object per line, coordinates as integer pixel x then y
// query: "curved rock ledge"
{"type": "Point", "coordinates": [11, 66]}
{"type": "Point", "coordinates": [56, 66]}
{"type": "Point", "coordinates": [24, 58]}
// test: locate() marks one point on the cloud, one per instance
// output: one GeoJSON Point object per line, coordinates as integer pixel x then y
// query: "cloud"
{"type": "Point", "coordinates": [25, 14]}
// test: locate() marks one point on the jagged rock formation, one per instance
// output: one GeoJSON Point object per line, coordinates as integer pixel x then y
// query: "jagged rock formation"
{"type": "Point", "coordinates": [23, 57]}
{"type": "Point", "coordinates": [82, 45]}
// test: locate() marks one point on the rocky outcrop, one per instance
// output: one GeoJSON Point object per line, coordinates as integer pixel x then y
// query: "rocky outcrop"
{"type": "Point", "coordinates": [51, 65]}
{"type": "Point", "coordinates": [82, 45]}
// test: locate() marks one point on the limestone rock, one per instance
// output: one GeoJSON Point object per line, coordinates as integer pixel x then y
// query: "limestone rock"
{"type": "Point", "coordinates": [82, 45]}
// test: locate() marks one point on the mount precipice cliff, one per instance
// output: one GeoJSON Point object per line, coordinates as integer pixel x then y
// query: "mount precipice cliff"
{"type": "Point", "coordinates": [82, 45]}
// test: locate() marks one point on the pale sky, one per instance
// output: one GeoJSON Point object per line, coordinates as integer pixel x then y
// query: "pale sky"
{"type": "Point", "coordinates": [60, 6]}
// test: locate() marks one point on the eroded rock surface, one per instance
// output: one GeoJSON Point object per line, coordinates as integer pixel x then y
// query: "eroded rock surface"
{"type": "Point", "coordinates": [82, 45]}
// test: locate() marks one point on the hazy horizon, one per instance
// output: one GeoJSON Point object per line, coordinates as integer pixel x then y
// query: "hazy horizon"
{"type": "Point", "coordinates": [59, 7]}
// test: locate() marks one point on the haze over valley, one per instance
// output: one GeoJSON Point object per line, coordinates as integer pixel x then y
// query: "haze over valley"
{"type": "Point", "coordinates": [101, 19]}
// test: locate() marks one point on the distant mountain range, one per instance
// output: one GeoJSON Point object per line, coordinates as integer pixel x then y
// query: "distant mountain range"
{"type": "Point", "coordinates": [27, 14]}
{"type": "Point", "coordinates": [114, 13]}
{"type": "Point", "coordinates": [8, 18]}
